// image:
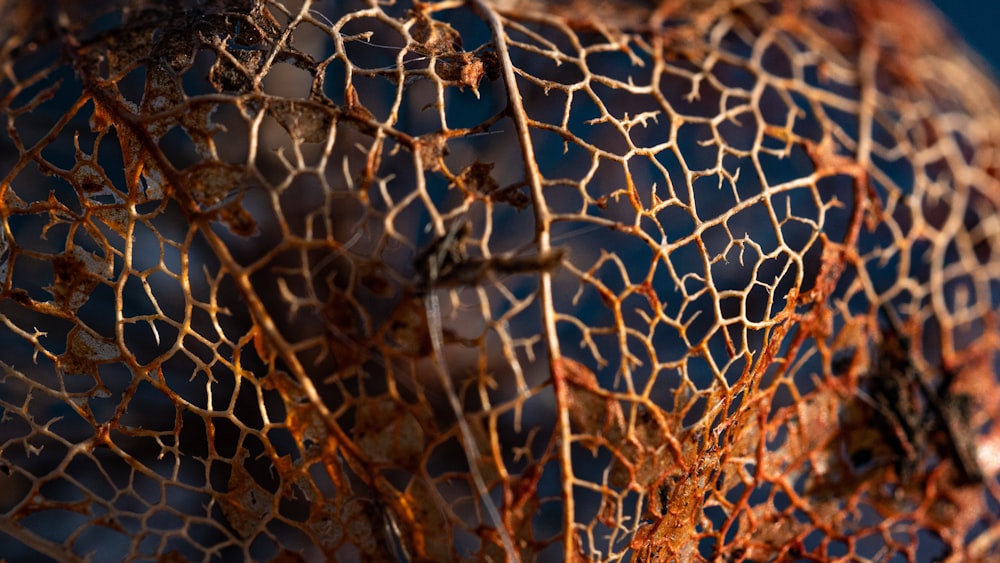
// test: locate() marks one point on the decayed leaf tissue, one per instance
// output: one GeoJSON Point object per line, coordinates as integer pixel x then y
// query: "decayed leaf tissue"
{"type": "Point", "coordinates": [496, 281]}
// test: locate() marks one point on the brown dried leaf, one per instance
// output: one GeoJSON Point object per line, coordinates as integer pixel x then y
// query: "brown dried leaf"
{"type": "Point", "coordinates": [77, 273]}
{"type": "Point", "coordinates": [593, 411]}
{"type": "Point", "coordinates": [431, 149]}
{"type": "Point", "coordinates": [208, 183]}
{"type": "Point", "coordinates": [237, 219]}
{"type": "Point", "coordinates": [365, 526]}
{"type": "Point", "coordinates": [387, 432]}
{"type": "Point", "coordinates": [306, 122]}
{"type": "Point", "coordinates": [236, 73]}
{"type": "Point", "coordinates": [85, 351]}
{"type": "Point", "coordinates": [462, 69]}
{"type": "Point", "coordinates": [434, 37]}
{"type": "Point", "coordinates": [246, 505]}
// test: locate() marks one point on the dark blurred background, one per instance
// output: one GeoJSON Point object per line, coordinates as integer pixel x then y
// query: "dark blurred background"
{"type": "Point", "coordinates": [976, 21]}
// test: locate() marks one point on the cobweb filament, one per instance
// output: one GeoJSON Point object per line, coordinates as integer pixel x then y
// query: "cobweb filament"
{"type": "Point", "coordinates": [472, 452]}
{"type": "Point", "coordinates": [432, 263]}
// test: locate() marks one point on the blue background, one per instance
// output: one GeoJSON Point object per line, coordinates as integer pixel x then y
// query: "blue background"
{"type": "Point", "coordinates": [977, 22]}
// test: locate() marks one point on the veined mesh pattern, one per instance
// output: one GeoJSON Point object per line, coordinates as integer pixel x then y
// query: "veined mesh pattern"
{"type": "Point", "coordinates": [472, 281]}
